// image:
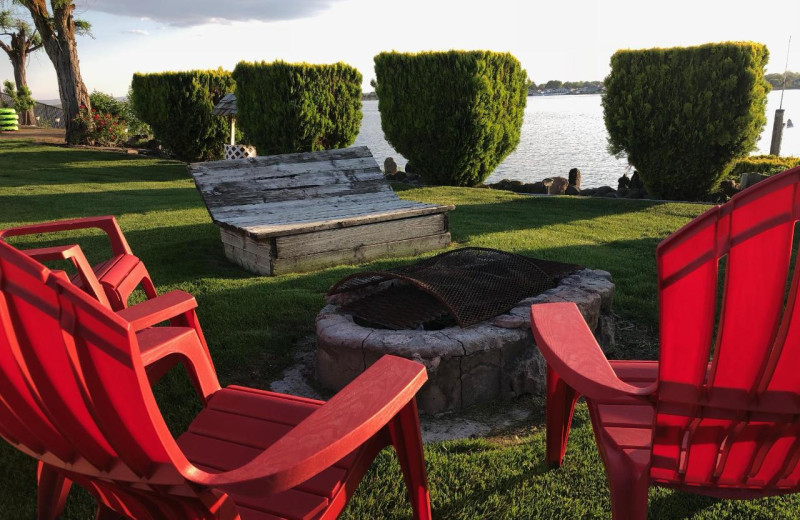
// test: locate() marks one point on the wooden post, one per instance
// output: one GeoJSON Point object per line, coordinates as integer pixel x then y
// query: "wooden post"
{"type": "Point", "coordinates": [233, 130]}
{"type": "Point", "coordinates": [777, 133]}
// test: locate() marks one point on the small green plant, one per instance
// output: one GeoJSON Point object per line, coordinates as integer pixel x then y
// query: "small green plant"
{"type": "Point", "coordinates": [298, 107]}
{"type": "Point", "coordinates": [455, 115]}
{"type": "Point", "coordinates": [21, 99]}
{"type": "Point", "coordinates": [683, 115]}
{"type": "Point", "coordinates": [766, 164]}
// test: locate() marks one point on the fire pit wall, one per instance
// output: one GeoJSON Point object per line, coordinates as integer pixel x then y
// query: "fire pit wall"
{"type": "Point", "coordinates": [495, 359]}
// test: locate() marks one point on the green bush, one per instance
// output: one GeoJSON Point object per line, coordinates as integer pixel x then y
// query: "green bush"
{"type": "Point", "coordinates": [455, 115]}
{"type": "Point", "coordinates": [287, 107]}
{"type": "Point", "coordinates": [177, 106]}
{"type": "Point", "coordinates": [683, 115]}
{"type": "Point", "coordinates": [766, 164]}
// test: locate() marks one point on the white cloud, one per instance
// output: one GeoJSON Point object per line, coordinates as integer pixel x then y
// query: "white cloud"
{"type": "Point", "coordinates": [137, 32]}
{"type": "Point", "coordinates": [187, 13]}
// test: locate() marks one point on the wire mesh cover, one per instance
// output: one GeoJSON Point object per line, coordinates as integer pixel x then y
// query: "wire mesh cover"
{"type": "Point", "coordinates": [470, 285]}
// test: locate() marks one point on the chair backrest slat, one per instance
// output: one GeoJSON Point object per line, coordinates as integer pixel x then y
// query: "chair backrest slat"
{"type": "Point", "coordinates": [729, 399]}
{"type": "Point", "coordinates": [72, 384]}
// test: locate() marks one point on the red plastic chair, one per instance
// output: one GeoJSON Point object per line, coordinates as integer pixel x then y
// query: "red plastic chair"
{"type": "Point", "coordinates": [118, 276]}
{"type": "Point", "coordinates": [74, 394]}
{"type": "Point", "coordinates": [729, 428]}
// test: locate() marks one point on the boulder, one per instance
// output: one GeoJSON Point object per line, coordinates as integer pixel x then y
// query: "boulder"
{"type": "Point", "coordinates": [588, 192]}
{"type": "Point", "coordinates": [389, 166]}
{"type": "Point", "coordinates": [535, 187]}
{"type": "Point", "coordinates": [507, 184]}
{"type": "Point", "coordinates": [574, 178]}
{"type": "Point", "coordinates": [729, 187]}
{"type": "Point", "coordinates": [623, 183]}
{"type": "Point", "coordinates": [635, 193]}
{"type": "Point", "coordinates": [558, 186]}
{"type": "Point", "coordinates": [410, 168]}
{"type": "Point", "coordinates": [636, 181]}
{"type": "Point", "coordinates": [572, 190]}
{"type": "Point", "coordinates": [604, 191]}
{"type": "Point", "coordinates": [749, 178]}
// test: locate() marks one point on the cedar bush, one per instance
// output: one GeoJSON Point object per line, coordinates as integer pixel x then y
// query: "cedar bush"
{"type": "Point", "coordinates": [298, 107]}
{"type": "Point", "coordinates": [177, 106]}
{"type": "Point", "coordinates": [766, 164]}
{"type": "Point", "coordinates": [455, 115]}
{"type": "Point", "coordinates": [683, 115]}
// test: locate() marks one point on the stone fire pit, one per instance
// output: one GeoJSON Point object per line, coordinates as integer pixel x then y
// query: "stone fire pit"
{"type": "Point", "coordinates": [494, 359]}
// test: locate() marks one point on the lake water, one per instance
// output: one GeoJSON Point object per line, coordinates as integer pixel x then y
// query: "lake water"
{"type": "Point", "coordinates": [564, 132]}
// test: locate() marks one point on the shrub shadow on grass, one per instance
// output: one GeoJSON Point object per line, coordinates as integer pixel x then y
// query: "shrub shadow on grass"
{"type": "Point", "coordinates": [65, 165]}
{"type": "Point", "coordinates": [530, 213]}
{"type": "Point", "coordinates": [56, 206]}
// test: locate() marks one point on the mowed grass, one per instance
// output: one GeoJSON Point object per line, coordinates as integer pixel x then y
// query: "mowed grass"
{"type": "Point", "coordinates": [253, 323]}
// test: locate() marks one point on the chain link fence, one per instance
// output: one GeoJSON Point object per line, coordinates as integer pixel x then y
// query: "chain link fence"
{"type": "Point", "coordinates": [46, 115]}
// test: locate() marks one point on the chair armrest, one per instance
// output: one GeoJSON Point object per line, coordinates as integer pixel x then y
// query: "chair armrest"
{"type": "Point", "coordinates": [348, 420]}
{"type": "Point", "coordinates": [74, 254]}
{"type": "Point", "coordinates": [107, 224]}
{"type": "Point", "coordinates": [158, 309]}
{"type": "Point", "coordinates": [569, 348]}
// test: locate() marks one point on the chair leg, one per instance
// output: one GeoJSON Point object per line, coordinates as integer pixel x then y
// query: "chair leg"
{"type": "Point", "coordinates": [404, 431]}
{"type": "Point", "coordinates": [629, 486]}
{"type": "Point", "coordinates": [53, 488]}
{"type": "Point", "coordinates": [561, 400]}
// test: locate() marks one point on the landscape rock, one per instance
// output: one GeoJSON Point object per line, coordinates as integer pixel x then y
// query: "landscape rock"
{"type": "Point", "coordinates": [747, 179]}
{"type": "Point", "coordinates": [534, 187]}
{"type": "Point", "coordinates": [729, 188]}
{"type": "Point", "coordinates": [574, 178]}
{"type": "Point", "coordinates": [547, 182]}
{"type": "Point", "coordinates": [605, 191]}
{"type": "Point", "coordinates": [558, 186]}
{"type": "Point", "coordinates": [410, 168]}
{"type": "Point", "coordinates": [389, 166]}
{"type": "Point", "coordinates": [624, 183]}
{"type": "Point", "coordinates": [572, 190]}
{"type": "Point", "coordinates": [636, 181]}
{"type": "Point", "coordinates": [589, 192]}
{"type": "Point", "coordinates": [635, 193]}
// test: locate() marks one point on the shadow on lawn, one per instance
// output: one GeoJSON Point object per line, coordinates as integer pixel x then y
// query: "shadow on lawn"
{"type": "Point", "coordinates": [55, 206]}
{"type": "Point", "coordinates": [55, 165]}
{"type": "Point", "coordinates": [530, 213]}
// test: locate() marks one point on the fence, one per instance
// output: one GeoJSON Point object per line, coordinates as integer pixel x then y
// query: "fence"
{"type": "Point", "coordinates": [46, 115]}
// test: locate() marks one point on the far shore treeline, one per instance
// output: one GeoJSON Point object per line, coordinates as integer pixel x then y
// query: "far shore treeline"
{"type": "Point", "coordinates": [682, 123]}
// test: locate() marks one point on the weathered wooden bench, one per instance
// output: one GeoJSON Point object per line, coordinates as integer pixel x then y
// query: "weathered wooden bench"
{"type": "Point", "coordinates": [305, 211]}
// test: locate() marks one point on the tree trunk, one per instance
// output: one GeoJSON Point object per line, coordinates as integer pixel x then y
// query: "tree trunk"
{"type": "Point", "coordinates": [18, 63]}
{"type": "Point", "coordinates": [58, 37]}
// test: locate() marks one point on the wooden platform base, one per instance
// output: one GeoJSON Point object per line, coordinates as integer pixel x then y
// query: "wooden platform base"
{"type": "Point", "coordinates": [311, 251]}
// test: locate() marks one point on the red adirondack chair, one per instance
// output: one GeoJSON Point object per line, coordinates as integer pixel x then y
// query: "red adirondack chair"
{"type": "Point", "coordinates": [726, 428]}
{"type": "Point", "coordinates": [118, 276]}
{"type": "Point", "coordinates": [74, 394]}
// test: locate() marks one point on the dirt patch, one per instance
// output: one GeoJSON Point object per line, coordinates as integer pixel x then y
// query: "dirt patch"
{"type": "Point", "coordinates": [37, 134]}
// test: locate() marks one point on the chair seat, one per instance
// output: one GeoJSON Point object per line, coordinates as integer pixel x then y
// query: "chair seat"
{"type": "Point", "coordinates": [626, 424]}
{"type": "Point", "coordinates": [239, 423]}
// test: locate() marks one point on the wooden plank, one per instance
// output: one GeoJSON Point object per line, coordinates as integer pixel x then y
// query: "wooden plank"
{"type": "Point", "coordinates": [249, 261]}
{"type": "Point", "coordinates": [354, 152]}
{"type": "Point", "coordinates": [240, 240]}
{"type": "Point", "coordinates": [357, 236]}
{"type": "Point", "coordinates": [286, 212]}
{"type": "Point", "coordinates": [409, 247]}
{"type": "Point", "coordinates": [240, 194]}
{"type": "Point", "coordinates": [308, 227]}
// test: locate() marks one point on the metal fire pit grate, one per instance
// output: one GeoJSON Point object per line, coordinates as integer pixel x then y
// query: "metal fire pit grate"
{"type": "Point", "coordinates": [469, 285]}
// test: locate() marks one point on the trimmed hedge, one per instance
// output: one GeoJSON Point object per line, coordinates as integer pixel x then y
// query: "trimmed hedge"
{"type": "Point", "coordinates": [298, 107]}
{"type": "Point", "coordinates": [766, 164]}
{"type": "Point", "coordinates": [683, 115]}
{"type": "Point", "coordinates": [177, 106]}
{"type": "Point", "coordinates": [455, 115]}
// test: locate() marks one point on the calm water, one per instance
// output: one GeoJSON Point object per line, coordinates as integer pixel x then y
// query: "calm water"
{"type": "Point", "coordinates": [563, 132]}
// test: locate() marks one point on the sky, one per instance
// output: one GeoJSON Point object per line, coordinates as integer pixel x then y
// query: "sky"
{"type": "Point", "coordinates": [553, 40]}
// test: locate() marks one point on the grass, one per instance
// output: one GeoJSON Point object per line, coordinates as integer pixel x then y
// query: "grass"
{"type": "Point", "coordinates": [253, 323]}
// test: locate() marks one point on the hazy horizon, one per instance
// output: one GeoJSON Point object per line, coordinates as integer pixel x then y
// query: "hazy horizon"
{"type": "Point", "coordinates": [550, 41]}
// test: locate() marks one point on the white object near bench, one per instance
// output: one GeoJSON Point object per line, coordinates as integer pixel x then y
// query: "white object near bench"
{"type": "Point", "coordinates": [305, 211]}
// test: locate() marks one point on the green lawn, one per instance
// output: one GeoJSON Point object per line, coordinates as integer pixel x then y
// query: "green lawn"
{"type": "Point", "coordinates": [253, 323]}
